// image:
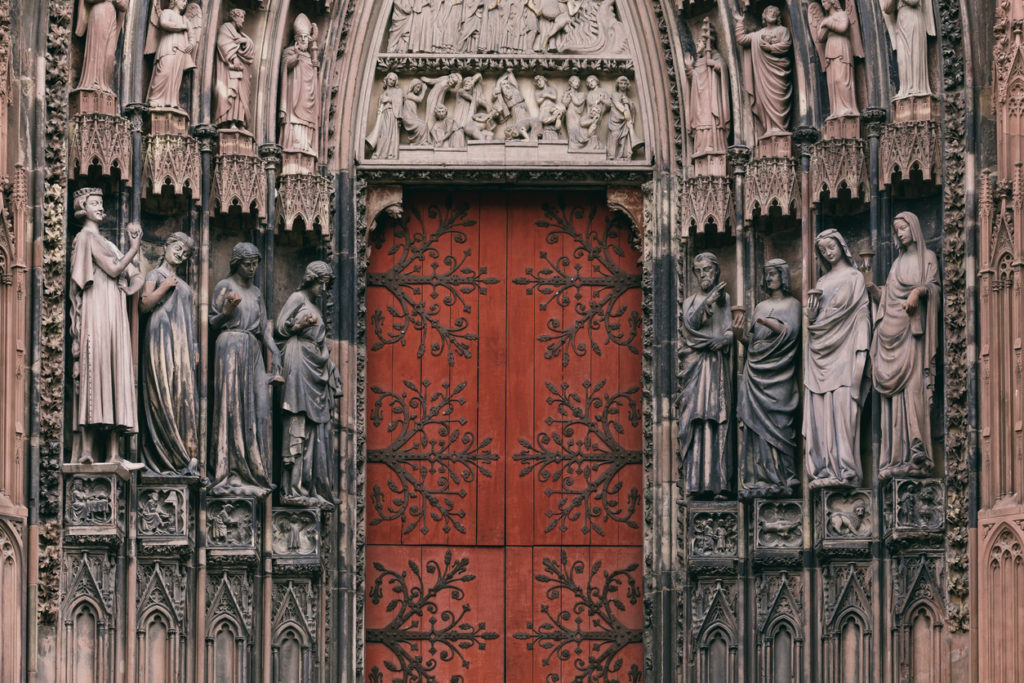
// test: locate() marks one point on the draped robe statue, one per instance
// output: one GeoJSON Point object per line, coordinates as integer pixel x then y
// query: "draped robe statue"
{"type": "Point", "coordinates": [235, 55]}
{"type": "Point", "coordinates": [903, 352]}
{"type": "Point", "coordinates": [383, 139]}
{"type": "Point", "coordinates": [708, 109]}
{"type": "Point", "coordinates": [100, 22]}
{"type": "Point", "coordinates": [300, 90]}
{"type": "Point", "coordinates": [767, 73]}
{"type": "Point", "coordinates": [706, 381]}
{"type": "Point", "coordinates": [172, 40]}
{"type": "Point", "coordinates": [910, 22]}
{"type": "Point", "coordinates": [836, 34]}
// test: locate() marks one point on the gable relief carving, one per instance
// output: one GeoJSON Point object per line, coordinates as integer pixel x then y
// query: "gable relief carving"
{"type": "Point", "coordinates": [506, 82]}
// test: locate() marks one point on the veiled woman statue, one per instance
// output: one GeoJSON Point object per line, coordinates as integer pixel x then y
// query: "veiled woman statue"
{"type": "Point", "coordinates": [708, 109]}
{"type": "Point", "coordinates": [240, 429]}
{"type": "Point", "coordinates": [311, 386]}
{"type": "Point", "coordinates": [103, 372]}
{"type": "Point", "coordinates": [768, 393]}
{"type": "Point", "coordinates": [170, 354]}
{"type": "Point", "coordinates": [910, 22]}
{"type": "Point", "coordinates": [300, 90]}
{"type": "Point", "coordinates": [172, 40]}
{"type": "Point", "coordinates": [835, 384]}
{"type": "Point", "coordinates": [768, 71]}
{"type": "Point", "coordinates": [100, 22]}
{"type": "Point", "coordinates": [903, 352]}
{"type": "Point", "coordinates": [623, 140]}
{"type": "Point", "coordinates": [383, 139]}
{"type": "Point", "coordinates": [836, 34]}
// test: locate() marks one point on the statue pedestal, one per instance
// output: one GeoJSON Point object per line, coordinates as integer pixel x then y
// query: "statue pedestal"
{"type": "Point", "coordinates": [92, 102]}
{"type": "Point", "coordinates": [103, 140]}
{"type": "Point", "coordinates": [709, 164]}
{"type": "Point", "coordinates": [907, 148]}
{"type": "Point", "coordinates": [916, 108]}
{"type": "Point", "coordinates": [841, 127]}
{"type": "Point", "coordinates": [305, 197]}
{"type": "Point", "coordinates": [170, 155]}
{"type": "Point", "coordinates": [93, 512]}
{"type": "Point", "coordinates": [707, 203]}
{"type": "Point", "coordinates": [774, 145]}
{"type": "Point", "coordinates": [773, 186]}
{"type": "Point", "coordinates": [239, 180]}
{"type": "Point", "coordinates": [839, 165]}
{"type": "Point", "coordinates": [293, 163]}
{"type": "Point", "coordinates": [168, 122]}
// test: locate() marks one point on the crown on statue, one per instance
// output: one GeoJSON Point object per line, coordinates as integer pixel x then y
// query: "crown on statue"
{"type": "Point", "coordinates": [87, 192]}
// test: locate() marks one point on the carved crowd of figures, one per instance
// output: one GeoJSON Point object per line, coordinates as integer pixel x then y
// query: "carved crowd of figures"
{"type": "Point", "coordinates": [458, 110]}
{"type": "Point", "coordinates": [859, 336]}
{"type": "Point", "coordinates": [505, 26]}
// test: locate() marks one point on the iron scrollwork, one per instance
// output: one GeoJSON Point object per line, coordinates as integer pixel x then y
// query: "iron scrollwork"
{"type": "Point", "coordinates": [593, 619]}
{"type": "Point", "coordinates": [583, 457]}
{"type": "Point", "coordinates": [418, 624]}
{"type": "Point", "coordinates": [426, 284]}
{"type": "Point", "coordinates": [429, 455]}
{"type": "Point", "coordinates": [563, 282]}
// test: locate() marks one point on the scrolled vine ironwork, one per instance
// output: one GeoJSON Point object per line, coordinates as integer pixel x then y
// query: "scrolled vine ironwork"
{"type": "Point", "coordinates": [593, 619]}
{"type": "Point", "coordinates": [418, 625]}
{"type": "Point", "coordinates": [430, 455]}
{"type": "Point", "coordinates": [597, 298]}
{"type": "Point", "coordinates": [426, 285]}
{"type": "Point", "coordinates": [583, 457]}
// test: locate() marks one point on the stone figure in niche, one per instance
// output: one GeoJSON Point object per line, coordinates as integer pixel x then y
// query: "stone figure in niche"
{"type": "Point", "coordinates": [768, 393]}
{"type": "Point", "coordinates": [623, 140]}
{"type": "Point", "coordinates": [903, 351]}
{"type": "Point", "coordinates": [415, 127]}
{"type": "Point", "coordinates": [706, 381]}
{"type": "Point", "coordinates": [103, 372]}
{"type": "Point", "coordinates": [551, 111]}
{"type": "Point", "coordinates": [509, 103]}
{"type": "Point", "coordinates": [836, 34]}
{"type": "Point", "coordinates": [100, 22]}
{"type": "Point", "coordinates": [910, 22]}
{"type": "Point", "coordinates": [575, 102]}
{"type": "Point", "coordinates": [708, 106]}
{"type": "Point", "coordinates": [767, 72]}
{"type": "Point", "coordinates": [383, 139]}
{"type": "Point", "coordinates": [311, 386]}
{"type": "Point", "coordinates": [300, 89]}
{"type": "Point", "coordinates": [835, 383]}
{"type": "Point", "coordinates": [172, 39]}
{"type": "Point", "coordinates": [472, 122]}
{"type": "Point", "coordinates": [597, 103]}
{"type": "Point", "coordinates": [440, 86]}
{"type": "Point", "coordinates": [401, 24]}
{"type": "Point", "coordinates": [446, 134]}
{"type": "Point", "coordinates": [240, 428]}
{"type": "Point", "coordinates": [235, 55]}
{"type": "Point", "coordinates": [170, 354]}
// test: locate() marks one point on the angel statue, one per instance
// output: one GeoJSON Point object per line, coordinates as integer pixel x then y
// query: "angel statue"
{"type": "Point", "coordinates": [172, 39]}
{"type": "Point", "coordinates": [836, 33]}
{"type": "Point", "coordinates": [910, 22]}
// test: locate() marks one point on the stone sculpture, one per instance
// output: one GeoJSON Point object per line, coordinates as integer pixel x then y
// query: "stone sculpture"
{"type": "Point", "coordinates": [445, 133]}
{"type": "Point", "coordinates": [707, 106]}
{"type": "Point", "coordinates": [551, 111]}
{"type": "Point", "coordinates": [835, 383]}
{"type": "Point", "coordinates": [440, 86]}
{"type": "Point", "coordinates": [170, 354]}
{"type": "Point", "coordinates": [910, 22]}
{"type": "Point", "coordinates": [836, 34]}
{"type": "Point", "coordinates": [415, 127]}
{"type": "Point", "coordinates": [240, 427]}
{"type": "Point", "coordinates": [103, 371]}
{"type": "Point", "coordinates": [421, 25]}
{"type": "Point", "coordinates": [575, 102]}
{"type": "Point", "coordinates": [903, 351]}
{"type": "Point", "coordinates": [172, 39]}
{"type": "Point", "coordinates": [768, 393]}
{"type": "Point", "coordinates": [623, 140]}
{"type": "Point", "coordinates": [472, 122]}
{"type": "Point", "coordinates": [100, 22]}
{"type": "Point", "coordinates": [235, 55]}
{"type": "Point", "coordinates": [509, 103]}
{"type": "Point", "coordinates": [401, 21]}
{"type": "Point", "coordinates": [383, 139]}
{"type": "Point", "coordinates": [597, 104]}
{"type": "Point", "coordinates": [552, 17]}
{"type": "Point", "coordinates": [311, 385]}
{"type": "Point", "coordinates": [706, 381]}
{"type": "Point", "coordinates": [767, 72]}
{"type": "Point", "coordinates": [299, 106]}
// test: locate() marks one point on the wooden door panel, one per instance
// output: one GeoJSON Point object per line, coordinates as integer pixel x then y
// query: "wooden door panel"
{"type": "Point", "coordinates": [504, 440]}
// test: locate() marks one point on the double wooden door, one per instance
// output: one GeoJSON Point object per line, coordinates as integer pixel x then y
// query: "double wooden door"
{"type": "Point", "coordinates": [504, 423]}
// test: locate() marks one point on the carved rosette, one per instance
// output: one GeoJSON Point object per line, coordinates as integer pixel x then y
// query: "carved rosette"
{"type": "Point", "coordinates": [838, 164]}
{"type": "Point", "coordinates": [100, 140]}
{"type": "Point", "coordinates": [306, 197]}
{"type": "Point", "coordinates": [707, 201]}
{"type": "Point", "coordinates": [239, 181]}
{"type": "Point", "coordinates": [773, 184]}
{"type": "Point", "coordinates": [910, 146]}
{"type": "Point", "coordinates": [170, 160]}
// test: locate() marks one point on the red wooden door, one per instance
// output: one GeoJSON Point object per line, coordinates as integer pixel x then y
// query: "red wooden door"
{"type": "Point", "coordinates": [504, 442]}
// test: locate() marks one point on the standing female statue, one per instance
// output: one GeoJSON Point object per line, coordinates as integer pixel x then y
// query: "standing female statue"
{"type": "Point", "coordinates": [910, 22]}
{"type": "Point", "coordinates": [836, 34]}
{"type": "Point", "coordinates": [170, 355]}
{"type": "Point", "coordinates": [383, 139]}
{"type": "Point", "coordinates": [575, 102]}
{"type": "Point", "coordinates": [172, 39]}
{"type": "Point", "coordinates": [903, 352]}
{"type": "Point", "coordinates": [300, 90]}
{"type": "Point", "coordinates": [835, 384]}
{"type": "Point", "coordinates": [623, 140]}
{"type": "Point", "coordinates": [101, 340]}
{"type": "Point", "coordinates": [100, 22]}
{"type": "Point", "coordinates": [311, 386]}
{"type": "Point", "coordinates": [708, 110]}
{"type": "Point", "coordinates": [768, 393]}
{"type": "Point", "coordinates": [240, 429]}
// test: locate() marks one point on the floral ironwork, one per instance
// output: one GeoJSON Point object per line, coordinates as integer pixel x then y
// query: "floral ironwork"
{"type": "Point", "coordinates": [594, 619]}
{"type": "Point", "coordinates": [431, 456]}
{"type": "Point", "coordinates": [583, 457]}
{"type": "Point", "coordinates": [596, 298]}
{"type": "Point", "coordinates": [426, 285]}
{"type": "Point", "coordinates": [420, 633]}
